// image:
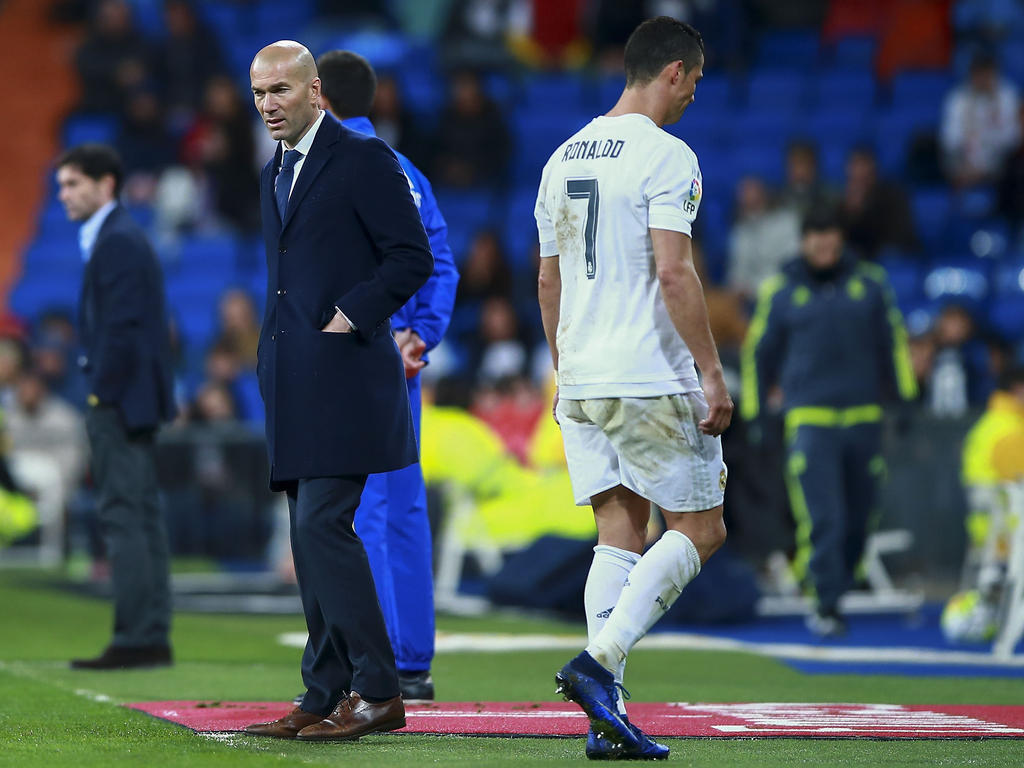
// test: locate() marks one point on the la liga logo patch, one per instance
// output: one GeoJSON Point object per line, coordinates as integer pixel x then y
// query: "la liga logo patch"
{"type": "Point", "coordinates": [694, 191]}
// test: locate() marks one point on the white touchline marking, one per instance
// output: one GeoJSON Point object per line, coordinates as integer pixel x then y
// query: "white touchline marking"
{"type": "Point", "coordinates": [500, 643]}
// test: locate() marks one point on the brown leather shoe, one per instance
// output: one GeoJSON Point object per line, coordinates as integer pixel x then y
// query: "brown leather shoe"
{"type": "Point", "coordinates": [287, 727]}
{"type": "Point", "coordinates": [354, 717]}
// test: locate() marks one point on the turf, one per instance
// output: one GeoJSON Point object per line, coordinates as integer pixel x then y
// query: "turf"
{"type": "Point", "coordinates": [50, 715]}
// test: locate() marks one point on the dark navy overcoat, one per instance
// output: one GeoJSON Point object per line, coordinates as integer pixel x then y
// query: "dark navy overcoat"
{"type": "Point", "coordinates": [337, 404]}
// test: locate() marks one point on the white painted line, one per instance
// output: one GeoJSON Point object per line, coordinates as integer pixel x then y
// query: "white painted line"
{"type": "Point", "coordinates": [501, 643]}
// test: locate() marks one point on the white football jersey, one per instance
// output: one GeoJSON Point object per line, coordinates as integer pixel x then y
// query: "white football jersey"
{"type": "Point", "coordinates": [600, 194]}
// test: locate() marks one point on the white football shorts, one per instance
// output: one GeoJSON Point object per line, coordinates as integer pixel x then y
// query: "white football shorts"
{"type": "Point", "coordinates": [651, 445]}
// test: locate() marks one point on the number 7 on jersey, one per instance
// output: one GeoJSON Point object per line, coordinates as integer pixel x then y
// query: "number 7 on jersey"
{"type": "Point", "coordinates": [578, 189]}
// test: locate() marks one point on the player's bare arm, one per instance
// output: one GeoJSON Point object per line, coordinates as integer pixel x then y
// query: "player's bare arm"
{"type": "Point", "coordinates": [549, 292]}
{"type": "Point", "coordinates": [684, 298]}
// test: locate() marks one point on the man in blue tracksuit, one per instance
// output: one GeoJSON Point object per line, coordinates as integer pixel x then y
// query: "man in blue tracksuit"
{"type": "Point", "coordinates": [392, 516]}
{"type": "Point", "coordinates": [827, 330]}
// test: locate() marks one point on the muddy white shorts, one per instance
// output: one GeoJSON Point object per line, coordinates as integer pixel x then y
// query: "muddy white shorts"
{"type": "Point", "coordinates": [651, 445]}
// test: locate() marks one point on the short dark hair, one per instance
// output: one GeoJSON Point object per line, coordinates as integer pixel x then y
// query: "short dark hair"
{"type": "Point", "coordinates": [820, 218]}
{"type": "Point", "coordinates": [348, 81]}
{"type": "Point", "coordinates": [95, 161]}
{"type": "Point", "coordinates": [657, 43]}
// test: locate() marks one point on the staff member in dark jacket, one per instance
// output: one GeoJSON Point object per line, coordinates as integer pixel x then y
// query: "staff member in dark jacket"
{"type": "Point", "coordinates": [828, 331]}
{"type": "Point", "coordinates": [127, 361]}
{"type": "Point", "coordinates": [345, 250]}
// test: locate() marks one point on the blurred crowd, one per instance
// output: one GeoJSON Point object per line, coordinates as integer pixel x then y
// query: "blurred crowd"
{"type": "Point", "coordinates": [193, 147]}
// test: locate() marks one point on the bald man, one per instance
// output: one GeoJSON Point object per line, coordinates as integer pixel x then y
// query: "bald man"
{"type": "Point", "coordinates": [345, 250]}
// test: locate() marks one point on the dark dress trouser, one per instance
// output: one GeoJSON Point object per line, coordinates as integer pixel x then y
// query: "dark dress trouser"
{"type": "Point", "coordinates": [348, 647]}
{"type": "Point", "coordinates": [834, 476]}
{"type": "Point", "coordinates": [124, 473]}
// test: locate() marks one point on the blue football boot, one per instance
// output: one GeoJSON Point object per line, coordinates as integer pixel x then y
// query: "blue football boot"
{"type": "Point", "coordinates": [590, 685]}
{"type": "Point", "coordinates": [599, 748]}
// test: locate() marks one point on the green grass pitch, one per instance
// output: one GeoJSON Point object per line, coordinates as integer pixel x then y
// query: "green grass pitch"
{"type": "Point", "coordinates": [51, 716]}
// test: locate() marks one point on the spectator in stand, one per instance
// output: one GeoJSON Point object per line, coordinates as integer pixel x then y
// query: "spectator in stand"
{"type": "Point", "coordinates": [43, 426]}
{"type": "Point", "coordinates": [980, 125]}
{"type": "Point", "coordinates": [761, 240]}
{"type": "Point", "coordinates": [13, 356]}
{"type": "Point", "coordinates": [472, 141]}
{"type": "Point", "coordinates": [476, 32]}
{"type": "Point", "coordinates": [239, 326]}
{"type": "Point", "coordinates": [960, 375]}
{"type": "Point", "coordinates": [220, 148]}
{"type": "Point", "coordinates": [804, 189]}
{"type": "Point", "coordinates": [113, 60]}
{"type": "Point", "coordinates": [499, 351]}
{"type": "Point", "coordinates": [486, 272]}
{"type": "Point", "coordinates": [213, 404]}
{"type": "Point", "coordinates": [54, 345]}
{"type": "Point", "coordinates": [922, 361]}
{"type": "Point", "coordinates": [484, 275]}
{"type": "Point", "coordinates": [1011, 183]}
{"type": "Point", "coordinates": [184, 62]}
{"type": "Point", "coordinates": [394, 124]}
{"type": "Point", "coordinates": [145, 145]}
{"type": "Point", "coordinates": [874, 212]}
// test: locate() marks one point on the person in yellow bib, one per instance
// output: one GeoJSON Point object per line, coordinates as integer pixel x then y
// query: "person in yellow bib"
{"type": "Point", "coordinates": [993, 455]}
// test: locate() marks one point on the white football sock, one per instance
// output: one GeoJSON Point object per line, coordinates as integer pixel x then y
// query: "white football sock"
{"type": "Point", "coordinates": [653, 586]}
{"type": "Point", "coordinates": [607, 576]}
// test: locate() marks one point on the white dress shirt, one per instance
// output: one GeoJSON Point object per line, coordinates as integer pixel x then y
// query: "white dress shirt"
{"type": "Point", "coordinates": [304, 145]}
{"type": "Point", "coordinates": [90, 230]}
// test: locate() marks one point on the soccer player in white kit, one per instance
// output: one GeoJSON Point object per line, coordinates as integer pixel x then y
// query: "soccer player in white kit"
{"type": "Point", "coordinates": [625, 319]}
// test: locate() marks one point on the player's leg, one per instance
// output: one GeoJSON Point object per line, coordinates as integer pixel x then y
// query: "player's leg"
{"type": "Point", "coordinates": [815, 483]}
{"type": "Point", "coordinates": [621, 516]}
{"type": "Point", "coordinates": [657, 580]}
{"type": "Point", "coordinates": [863, 475]}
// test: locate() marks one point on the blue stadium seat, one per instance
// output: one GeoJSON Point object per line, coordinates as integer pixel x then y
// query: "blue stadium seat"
{"type": "Point", "coordinates": [537, 136]}
{"type": "Point", "coordinates": [932, 209]}
{"type": "Point", "coordinates": [844, 90]}
{"type": "Point", "coordinates": [895, 127]}
{"type": "Point", "coordinates": [775, 90]}
{"type": "Point", "coordinates": [52, 253]}
{"type": "Point", "coordinates": [216, 255]}
{"type": "Point", "coordinates": [906, 280]}
{"type": "Point", "coordinates": [422, 91]}
{"type": "Point", "coordinates": [82, 129]}
{"type": "Point", "coordinates": [1006, 316]}
{"type": "Point", "coordinates": [250, 404]}
{"type": "Point", "coordinates": [765, 160]}
{"type": "Point", "coordinates": [964, 282]}
{"type": "Point", "coordinates": [609, 89]}
{"type": "Point", "coordinates": [546, 94]}
{"type": "Point", "coordinates": [923, 90]}
{"type": "Point", "coordinates": [36, 293]}
{"type": "Point", "coordinates": [714, 91]}
{"type": "Point", "coordinates": [854, 52]}
{"type": "Point", "coordinates": [751, 127]}
{"type": "Point", "coordinates": [467, 212]}
{"type": "Point", "coordinates": [701, 128]}
{"type": "Point", "coordinates": [519, 229]}
{"type": "Point", "coordinates": [792, 48]}
{"type": "Point", "coordinates": [1009, 280]}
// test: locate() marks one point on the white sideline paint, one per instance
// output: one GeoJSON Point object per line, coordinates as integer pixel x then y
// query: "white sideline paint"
{"type": "Point", "coordinates": [501, 643]}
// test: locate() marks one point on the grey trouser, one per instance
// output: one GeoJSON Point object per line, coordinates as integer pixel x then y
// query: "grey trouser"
{"type": "Point", "coordinates": [124, 473]}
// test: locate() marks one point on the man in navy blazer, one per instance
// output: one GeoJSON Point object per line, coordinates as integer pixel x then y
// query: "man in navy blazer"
{"type": "Point", "coordinates": [345, 249]}
{"type": "Point", "coordinates": [127, 362]}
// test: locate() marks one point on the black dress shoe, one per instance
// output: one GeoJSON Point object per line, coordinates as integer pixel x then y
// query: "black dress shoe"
{"type": "Point", "coordinates": [128, 657]}
{"type": "Point", "coordinates": [416, 686]}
